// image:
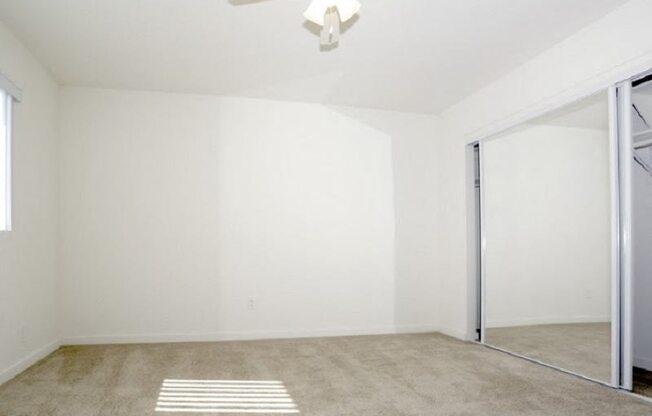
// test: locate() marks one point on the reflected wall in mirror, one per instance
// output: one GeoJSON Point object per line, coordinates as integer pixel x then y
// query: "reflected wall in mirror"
{"type": "Point", "coordinates": [547, 213]}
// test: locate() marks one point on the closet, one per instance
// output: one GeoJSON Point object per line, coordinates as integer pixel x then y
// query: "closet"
{"type": "Point", "coordinates": [560, 208]}
{"type": "Point", "coordinates": [642, 235]}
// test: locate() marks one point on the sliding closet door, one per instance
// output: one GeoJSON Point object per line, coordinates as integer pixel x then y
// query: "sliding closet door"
{"type": "Point", "coordinates": [625, 164]}
{"type": "Point", "coordinates": [548, 230]}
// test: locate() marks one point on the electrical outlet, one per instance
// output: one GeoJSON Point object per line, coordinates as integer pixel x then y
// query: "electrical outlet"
{"type": "Point", "coordinates": [251, 304]}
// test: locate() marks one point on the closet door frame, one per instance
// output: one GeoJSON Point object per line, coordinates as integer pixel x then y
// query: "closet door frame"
{"type": "Point", "coordinates": [623, 92]}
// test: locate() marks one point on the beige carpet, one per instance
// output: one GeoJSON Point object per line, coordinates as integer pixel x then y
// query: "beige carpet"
{"type": "Point", "coordinates": [427, 374]}
{"type": "Point", "coordinates": [582, 348]}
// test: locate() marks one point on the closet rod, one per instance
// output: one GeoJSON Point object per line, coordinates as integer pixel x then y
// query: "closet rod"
{"type": "Point", "coordinates": [642, 133]}
{"type": "Point", "coordinates": [643, 144]}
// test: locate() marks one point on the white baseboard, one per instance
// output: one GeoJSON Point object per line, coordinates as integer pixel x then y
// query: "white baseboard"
{"type": "Point", "coordinates": [461, 335]}
{"type": "Point", "coordinates": [643, 362]}
{"type": "Point", "coordinates": [552, 320]}
{"type": "Point", "coordinates": [28, 361]}
{"type": "Point", "coordinates": [256, 335]}
{"type": "Point", "coordinates": [427, 328]}
{"type": "Point", "coordinates": [416, 329]}
{"type": "Point", "coordinates": [221, 336]}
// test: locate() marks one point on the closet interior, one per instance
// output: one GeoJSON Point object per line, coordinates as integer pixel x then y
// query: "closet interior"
{"type": "Point", "coordinates": [642, 234]}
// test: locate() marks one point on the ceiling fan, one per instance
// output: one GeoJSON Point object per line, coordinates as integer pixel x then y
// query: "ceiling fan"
{"type": "Point", "coordinates": [329, 14]}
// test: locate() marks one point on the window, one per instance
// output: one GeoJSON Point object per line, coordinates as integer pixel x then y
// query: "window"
{"type": "Point", "coordinates": [9, 93]}
{"type": "Point", "coordinates": [6, 101]}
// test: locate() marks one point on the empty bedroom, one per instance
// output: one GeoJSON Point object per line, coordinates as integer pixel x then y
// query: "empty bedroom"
{"type": "Point", "coordinates": [325, 207]}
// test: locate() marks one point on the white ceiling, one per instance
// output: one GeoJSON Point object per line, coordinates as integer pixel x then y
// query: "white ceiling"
{"type": "Point", "coordinates": [409, 55]}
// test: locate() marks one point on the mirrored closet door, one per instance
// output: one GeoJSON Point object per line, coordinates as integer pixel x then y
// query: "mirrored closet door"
{"type": "Point", "coordinates": [547, 231]}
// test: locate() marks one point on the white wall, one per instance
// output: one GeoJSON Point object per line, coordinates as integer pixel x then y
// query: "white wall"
{"type": "Point", "coordinates": [642, 207]}
{"type": "Point", "coordinates": [613, 48]}
{"type": "Point", "coordinates": [178, 209]}
{"type": "Point", "coordinates": [416, 205]}
{"type": "Point", "coordinates": [414, 150]}
{"type": "Point", "coordinates": [548, 226]}
{"type": "Point", "coordinates": [129, 239]}
{"type": "Point", "coordinates": [28, 265]}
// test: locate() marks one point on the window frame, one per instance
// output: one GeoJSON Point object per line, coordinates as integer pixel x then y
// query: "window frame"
{"type": "Point", "coordinates": [5, 166]}
{"type": "Point", "coordinates": [11, 94]}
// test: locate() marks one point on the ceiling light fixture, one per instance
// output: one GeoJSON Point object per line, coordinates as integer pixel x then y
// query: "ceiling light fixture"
{"type": "Point", "coordinates": [330, 14]}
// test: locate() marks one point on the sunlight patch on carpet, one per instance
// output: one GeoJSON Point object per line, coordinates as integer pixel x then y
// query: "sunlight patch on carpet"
{"type": "Point", "coordinates": [224, 396]}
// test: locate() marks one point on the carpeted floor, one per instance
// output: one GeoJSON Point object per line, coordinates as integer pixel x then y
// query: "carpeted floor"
{"type": "Point", "coordinates": [393, 375]}
{"type": "Point", "coordinates": [582, 348]}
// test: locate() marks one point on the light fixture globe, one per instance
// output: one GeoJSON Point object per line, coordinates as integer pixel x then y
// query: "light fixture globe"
{"type": "Point", "coordinates": [329, 14]}
{"type": "Point", "coordinates": [318, 8]}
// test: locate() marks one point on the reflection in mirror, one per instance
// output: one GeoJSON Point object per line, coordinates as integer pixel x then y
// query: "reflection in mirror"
{"type": "Point", "coordinates": [547, 216]}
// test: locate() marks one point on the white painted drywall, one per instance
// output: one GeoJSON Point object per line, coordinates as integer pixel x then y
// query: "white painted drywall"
{"type": "Point", "coordinates": [414, 148]}
{"type": "Point", "coordinates": [548, 226]}
{"type": "Point", "coordinates": [177, 210]}
{"type": "Point", "coordinates": [612, 48]}
{"type": "Point", "coordinates": [28, 265]}
{"type": "Point", "coordinates": [106, 211]}
{"type": "Point", "coordinates": [642, 235]}
{"type": "Point", "coordinates": [416, 206]}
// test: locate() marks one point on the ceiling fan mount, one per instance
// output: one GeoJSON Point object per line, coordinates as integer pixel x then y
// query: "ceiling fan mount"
{"type": "Point", "coordinates": [329, 14]}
